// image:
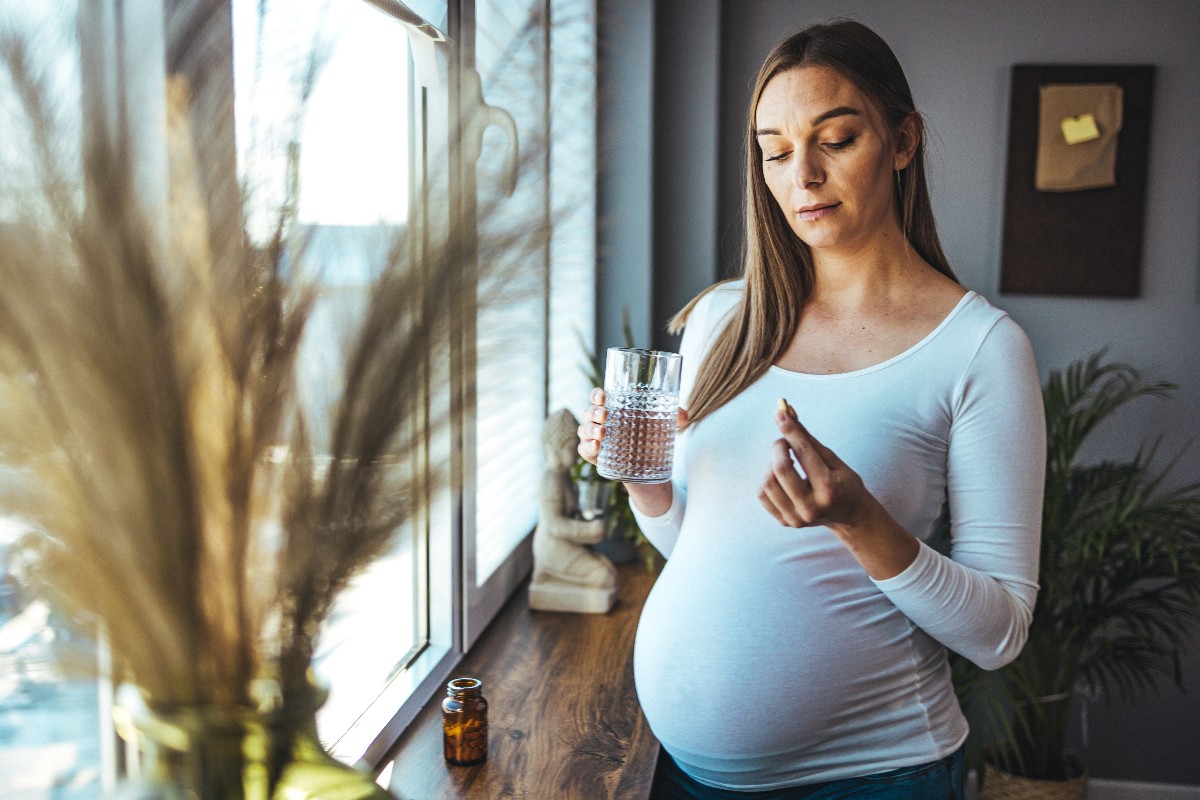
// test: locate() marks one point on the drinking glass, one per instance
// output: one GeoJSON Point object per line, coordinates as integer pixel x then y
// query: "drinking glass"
{"type": "Point", "coordinates": [641, 390]}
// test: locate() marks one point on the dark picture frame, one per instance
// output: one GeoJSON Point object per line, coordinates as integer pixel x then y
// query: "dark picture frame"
{"type": "Point", "coordinates": [1081, 243]}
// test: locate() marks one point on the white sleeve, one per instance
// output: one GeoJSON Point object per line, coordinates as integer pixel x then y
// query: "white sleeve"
{"type": "Point", "coordinates": [662, 531]}
{"type": "Point", "coordinates": [979, 601]}
{"type": "Point", "coordinates": [698, 335]}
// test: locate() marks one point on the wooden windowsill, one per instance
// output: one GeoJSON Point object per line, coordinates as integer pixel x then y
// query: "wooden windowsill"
{"type": "Point", "coordinates": [564, 720]}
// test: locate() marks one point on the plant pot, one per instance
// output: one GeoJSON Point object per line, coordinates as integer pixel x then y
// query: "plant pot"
{"type": "Point", "coordinates": [234, 753]}
{"type": "Point", "coordinates": [617, 550]}
{"type": "Point", "coordinates": [1001, 785]}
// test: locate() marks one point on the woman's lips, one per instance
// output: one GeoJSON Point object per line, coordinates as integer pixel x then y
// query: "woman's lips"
{"type": "Point", "coordinates": [814, 213]}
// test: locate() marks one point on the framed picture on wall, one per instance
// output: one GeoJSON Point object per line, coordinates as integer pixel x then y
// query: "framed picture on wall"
{"type": "Point", "coordinates": [1075, 189]}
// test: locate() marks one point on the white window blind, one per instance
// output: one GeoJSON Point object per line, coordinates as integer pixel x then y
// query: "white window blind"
{"type": "Point", "coordinates": [536, 61]}
{"type": "Point", "coordinates": [510, 50]}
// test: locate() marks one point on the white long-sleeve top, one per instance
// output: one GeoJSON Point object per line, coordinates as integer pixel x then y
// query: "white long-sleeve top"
{"type": "Point", "coordinates": [766, 656]}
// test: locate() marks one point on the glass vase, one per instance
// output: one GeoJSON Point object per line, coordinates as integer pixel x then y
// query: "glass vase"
{"type": "Point", "coordinates": [222, 753]}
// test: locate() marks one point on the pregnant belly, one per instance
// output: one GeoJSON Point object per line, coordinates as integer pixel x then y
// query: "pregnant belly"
{"type": "Point", "coordinates": [730, 669]}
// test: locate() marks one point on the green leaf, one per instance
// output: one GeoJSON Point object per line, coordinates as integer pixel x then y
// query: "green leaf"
{"type": "Point", "coordinates": [1119, 577]}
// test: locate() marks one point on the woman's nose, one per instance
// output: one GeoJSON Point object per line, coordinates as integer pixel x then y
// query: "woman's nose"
{"type": "Point", "coordinates": [806, 171]}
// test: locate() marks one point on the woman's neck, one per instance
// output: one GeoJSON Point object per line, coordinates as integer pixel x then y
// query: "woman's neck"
{"type": "Point", "coordinates": [868, 275]}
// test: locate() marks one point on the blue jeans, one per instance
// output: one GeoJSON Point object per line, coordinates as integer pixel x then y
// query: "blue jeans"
{"type": "Point", "coordinates": [937, 780]}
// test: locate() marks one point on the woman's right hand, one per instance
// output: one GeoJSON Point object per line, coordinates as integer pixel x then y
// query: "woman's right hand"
{"type": "Point", "coordinates": [652, 499]}
{"type": "Point", "coordinates": [591, 430]}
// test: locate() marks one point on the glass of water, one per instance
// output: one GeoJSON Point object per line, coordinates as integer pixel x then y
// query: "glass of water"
{"type": "Point", "coordinates": [641, 390]}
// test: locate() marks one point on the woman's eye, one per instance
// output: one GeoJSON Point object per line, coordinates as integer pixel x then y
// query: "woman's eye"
{"type": "Point", "coordinates": [841, 145]}
{"type": "Point", "coordinates": [776, 157]}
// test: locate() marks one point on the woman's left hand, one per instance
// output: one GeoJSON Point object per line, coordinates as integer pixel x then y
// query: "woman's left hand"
{"type": "Point", "coordinates": [828, 493]}
{"type": "Point", "coordinates": [831, 494]}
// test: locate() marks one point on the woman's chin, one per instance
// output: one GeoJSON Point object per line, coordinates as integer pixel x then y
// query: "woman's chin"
{"type": "Point", "coordinates": [818, 237]}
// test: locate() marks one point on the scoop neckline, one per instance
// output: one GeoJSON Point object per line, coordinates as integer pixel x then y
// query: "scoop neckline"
{"type": "Point", "coordinates": [926, 339]}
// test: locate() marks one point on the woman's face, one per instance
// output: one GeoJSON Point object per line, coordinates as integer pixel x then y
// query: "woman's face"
{"type": "Point", "coordinates": [828, 159]}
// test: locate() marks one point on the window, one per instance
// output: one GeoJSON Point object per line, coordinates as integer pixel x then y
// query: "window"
{"type": "Point", "coordinates": [50, 732]}
{"type": "Point", "coordinates": [342, 162]}
{"type": "Point", "coordinates": [371, 155]}
{"type": "Point", "coordinates": [400, 628]}
{"type": "Point", "coordinates": [508, 61]}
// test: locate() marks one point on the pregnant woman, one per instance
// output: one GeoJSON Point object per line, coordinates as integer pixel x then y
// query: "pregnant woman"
{"type": "Point", "coordinates": [843, 398]}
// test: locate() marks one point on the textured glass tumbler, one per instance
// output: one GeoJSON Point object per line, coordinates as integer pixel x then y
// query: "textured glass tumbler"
{"type": "Point", "coordinates": [641, 389]}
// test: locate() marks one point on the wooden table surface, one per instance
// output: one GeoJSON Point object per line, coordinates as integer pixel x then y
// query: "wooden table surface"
{"type": "Point", "coordinates": [563, 717]}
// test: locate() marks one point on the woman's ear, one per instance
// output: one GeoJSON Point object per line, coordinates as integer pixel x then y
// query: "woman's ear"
{"type": "Point", "coordinates": [908, 136]}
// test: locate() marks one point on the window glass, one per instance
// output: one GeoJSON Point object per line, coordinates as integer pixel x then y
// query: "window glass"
{"type": "Point", "coordinates": [572, 202]}
{"type": "Point", "coordinates": [433, 12]}
{"type": "Point", "coordinates": [342, 160]}
{"type": "Point", "coordinates": [50, 29]}
{"type": "Point", "coordinates": [50, 733]}
{"type": "Point", "coordinates": [49, 714]}
{"type": "Point", "coordinates": [345, 166]}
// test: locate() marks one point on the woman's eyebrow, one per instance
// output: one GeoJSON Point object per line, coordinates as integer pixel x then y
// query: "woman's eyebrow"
{"type": "Point", "coordinates": [840, 111]}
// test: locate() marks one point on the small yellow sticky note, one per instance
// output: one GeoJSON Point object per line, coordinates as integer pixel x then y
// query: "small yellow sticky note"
{"type": "Point", "coordinates": [1080, 129]}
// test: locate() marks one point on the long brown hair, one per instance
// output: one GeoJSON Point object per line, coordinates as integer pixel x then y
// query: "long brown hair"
{"type": "Point", "coordinates": [777, 265]}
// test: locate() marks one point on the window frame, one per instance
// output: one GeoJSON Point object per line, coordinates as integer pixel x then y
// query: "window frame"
{"type": "Point", "coordinates": [431, 200]}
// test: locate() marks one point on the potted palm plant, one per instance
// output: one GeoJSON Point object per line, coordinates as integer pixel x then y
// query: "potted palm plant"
{"type": "Point", "coordinates": [1120, 588]}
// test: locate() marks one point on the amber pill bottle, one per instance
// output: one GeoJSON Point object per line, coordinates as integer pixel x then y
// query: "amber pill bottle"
{"type": "Point", "coordinates": [465, 722]}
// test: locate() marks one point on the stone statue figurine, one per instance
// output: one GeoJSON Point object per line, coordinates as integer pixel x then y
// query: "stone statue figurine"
{"type": "Point", "coordinates": [566, 575]}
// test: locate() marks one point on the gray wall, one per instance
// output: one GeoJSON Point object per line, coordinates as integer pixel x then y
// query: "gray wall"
{"type": "Point", "coordinates": [659, 83]}
{"type": "Point", "coordinates": [686, 156]}
{"type": "Point", "coordinates": [958, 59]}
{"type": "Point", "coordinates": [623, 189]}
